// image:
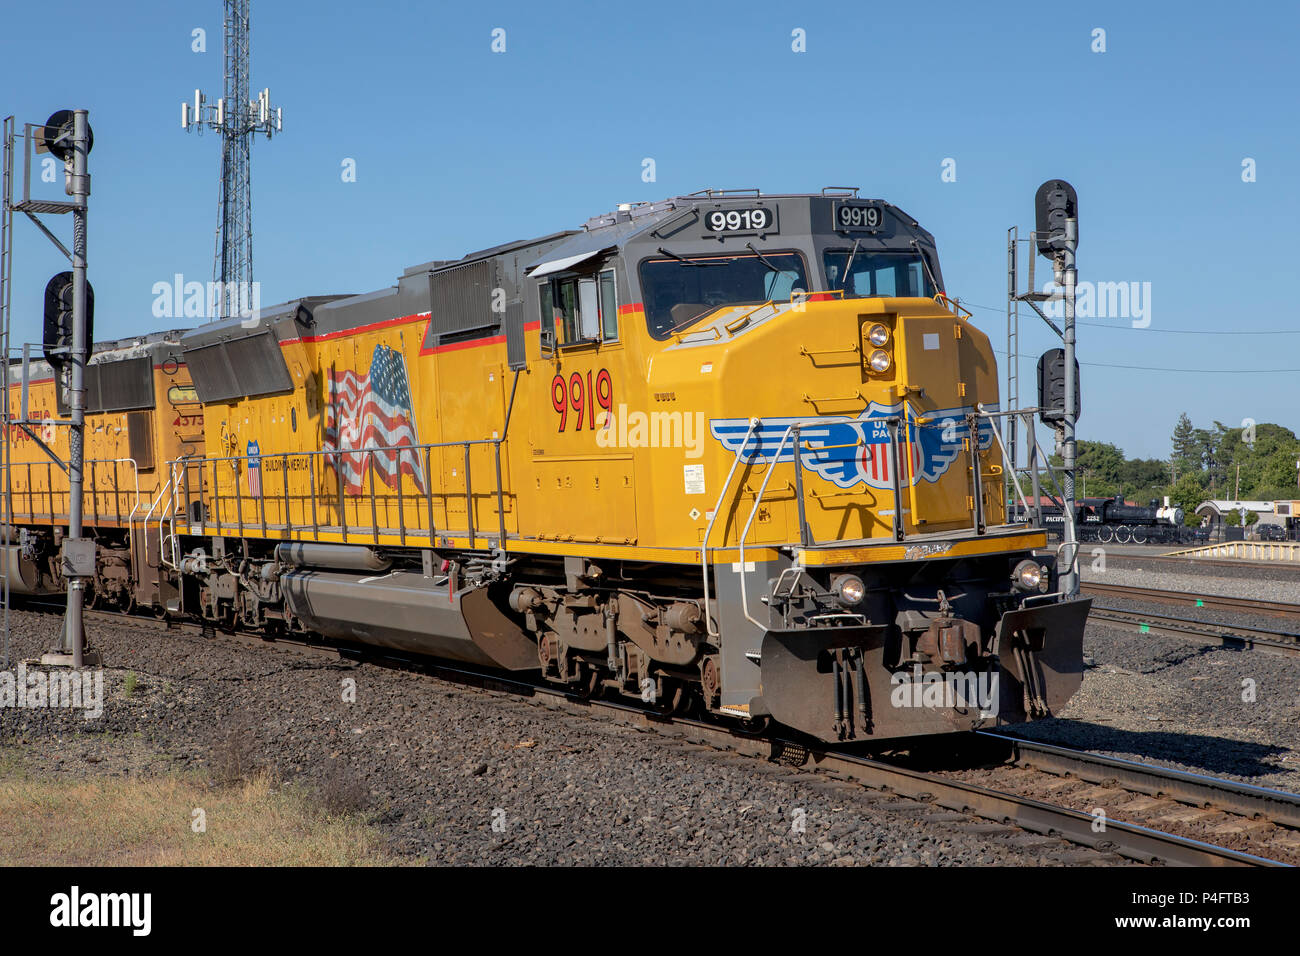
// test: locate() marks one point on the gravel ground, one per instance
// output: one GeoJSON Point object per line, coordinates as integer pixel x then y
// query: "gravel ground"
{"type": "Point", "coordinates": [1197, 568]}
{"type": "Point", "coordinates": [1180, 703]}
{"type": "Point", "coordinates": [436, 765]}
{"type": "Point", "coordinates": [1277, 588]}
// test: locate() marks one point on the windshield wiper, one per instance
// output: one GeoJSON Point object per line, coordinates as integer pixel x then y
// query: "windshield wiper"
{"type": "Point", "coordinates": [848, 262]}
{"type": "Point", "coordinates": [688, 262]}
{"type": "Point", "coordinates": [761, 258]}
{"type": "Point", "coordinates": [925, 265]}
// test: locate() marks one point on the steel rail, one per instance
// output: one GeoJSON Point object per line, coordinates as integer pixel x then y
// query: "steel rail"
{"type": "Point", "coordinates": [1212, 601]}
{"type": "Point", "coordinates": [1193, 789]}
{"type": "Point", "coordinates": [1288, 571]}
{"type": "Point", "coordinates": [1232, 635]}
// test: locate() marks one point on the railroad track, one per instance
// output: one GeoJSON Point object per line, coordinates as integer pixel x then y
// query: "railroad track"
{"type": "Point", "coordinates": [1002, 806]}
{"type": "Point", "coordinates": [1241, 636]}
{"type": "Point", "coordinates": [1267, 819]}
{"type": "Point", "coordinates": [1275, 640]}
{"type": "Point", "coordinates": [1216, 602]}
{"type": "Point", "coordinates": [1283, 571]}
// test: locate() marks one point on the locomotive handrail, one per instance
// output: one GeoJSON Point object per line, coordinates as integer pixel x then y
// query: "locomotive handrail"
{"type": "Point", "coordinates": [90, 491]}
{"type": "Point", "coordinates": [814, 402]}
{"type": "Point", "coordinates": [793, 430]}
{"type": "Point", "coordinates": [130, 518]}
{"type": "Point", "coordinates": [1027, 417]}
{"type": "Point", "coordinates": [851, 350]}
{"type": "Point", "coordinates": [713, 517]}
{"type": "Point", "coordinates": [738, 323]}
{"type": "Point", "coordinates": [162, 492]}
{"type": "Point", "coordinates": [423, 450]}
{"type": "Point", "coordinates": [953, 306]}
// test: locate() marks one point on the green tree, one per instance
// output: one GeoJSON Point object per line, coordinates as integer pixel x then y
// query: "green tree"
{"type": "Point", "coordinates": [1185, 456]}
{"type": "Point", "coordinates": [1187, 493]}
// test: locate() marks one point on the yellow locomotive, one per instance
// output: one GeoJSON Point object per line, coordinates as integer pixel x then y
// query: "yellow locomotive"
{"type": "Point", "coordinates": [731, 451]}
{"type": "Point", "coordinates": [141, 412]}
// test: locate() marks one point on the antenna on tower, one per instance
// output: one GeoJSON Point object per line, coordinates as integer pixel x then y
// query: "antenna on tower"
{"type": "Point", "coordinates": [237, 118]}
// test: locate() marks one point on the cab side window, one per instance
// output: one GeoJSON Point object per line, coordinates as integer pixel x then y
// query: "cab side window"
{"type": "Point", "coordinates": [581, 309]}
{"type": "Point", "coordinates": [608, 306]}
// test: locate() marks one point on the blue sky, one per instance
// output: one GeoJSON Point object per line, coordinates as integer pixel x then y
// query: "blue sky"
{"type": "Point", "coordinates": [457, 148]}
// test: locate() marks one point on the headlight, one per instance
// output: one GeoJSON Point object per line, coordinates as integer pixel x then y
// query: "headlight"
{"type": "Point", "coordinates": [878, 335]}
{"type": "Point", "coordinates": [848, 589]}
{"type": "Point", "coordinates": [1030, 576]}
{"type": "Point", "coordinates": [879, 360]}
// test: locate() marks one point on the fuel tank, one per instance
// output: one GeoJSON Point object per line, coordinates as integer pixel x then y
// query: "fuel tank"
{"type": "Point", "coordinates": [407, 611]}
{"type": "Point", "coordinates": [22, 573]}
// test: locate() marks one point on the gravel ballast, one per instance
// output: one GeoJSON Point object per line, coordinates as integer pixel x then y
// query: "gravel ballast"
{"type": "Point", "coordinates": [456, 775]}
{"type": "Point", "coordinates": [1196, 706]}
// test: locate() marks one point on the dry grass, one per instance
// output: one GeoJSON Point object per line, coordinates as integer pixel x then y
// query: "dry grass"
{"type": "Point", "coordinates": [114, 821]}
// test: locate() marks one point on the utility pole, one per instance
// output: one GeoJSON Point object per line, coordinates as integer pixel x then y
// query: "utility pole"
{"type": "Point", "coordinates": [237, 119]}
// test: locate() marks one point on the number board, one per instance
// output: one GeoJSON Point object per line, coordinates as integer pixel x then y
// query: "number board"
{"type": "Point", "coordinates": [753, 220]}
{"type": "Point", "coordinates": [855, 217]}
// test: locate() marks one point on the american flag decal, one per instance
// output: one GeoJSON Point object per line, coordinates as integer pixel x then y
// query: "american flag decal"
{"type": "Point", "coordinates": [372, 411]}
{"type": "Point", "coordinates": [254, 469]}
{"type": "Point", "coordinates": [877, 463]}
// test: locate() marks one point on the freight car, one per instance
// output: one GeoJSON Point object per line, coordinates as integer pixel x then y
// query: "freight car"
{"type": "Point", "coordinates": [729, 451]}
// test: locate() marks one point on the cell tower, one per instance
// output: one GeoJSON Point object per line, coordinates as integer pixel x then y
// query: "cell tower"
{"type": "Point", "coordinates": [237, 118]}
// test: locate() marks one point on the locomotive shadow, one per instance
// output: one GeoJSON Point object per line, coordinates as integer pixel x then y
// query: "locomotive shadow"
{"type": "Point", "coordinates": [1196, 752]}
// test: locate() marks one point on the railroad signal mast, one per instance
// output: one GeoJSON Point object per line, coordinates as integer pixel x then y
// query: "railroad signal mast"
{"type": "Point", "coordinates": [237, 118]}
{"type": "Point", "coordinates": [1056, 237]}
{"type": "Point", "coordinates": [67, 339]}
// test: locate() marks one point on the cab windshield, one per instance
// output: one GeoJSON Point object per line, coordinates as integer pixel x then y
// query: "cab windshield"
{"type": "Point", "coordinates": [678, 291]}
{"type": "Point", "coordinates": [863, 273]}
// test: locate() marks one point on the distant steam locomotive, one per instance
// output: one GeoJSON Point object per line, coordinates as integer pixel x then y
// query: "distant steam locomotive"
{"type": "Point", "coordinates": [1115, 520]}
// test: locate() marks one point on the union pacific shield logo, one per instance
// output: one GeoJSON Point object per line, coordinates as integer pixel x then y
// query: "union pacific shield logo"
{"type": "Point", "coordinates": [851, 451]}
{"type": "Point", "coordinates": [254, 469]}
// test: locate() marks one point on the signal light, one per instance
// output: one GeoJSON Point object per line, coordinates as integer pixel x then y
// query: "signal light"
{"type": "Point", "coordinates": [56, 135]}
{"type": "Point", "coordinates": [57, 338]}
{"type": "Point", "coordinates": [1051, 387]}
{"type": "Point", "coordinates": [1054, 203]}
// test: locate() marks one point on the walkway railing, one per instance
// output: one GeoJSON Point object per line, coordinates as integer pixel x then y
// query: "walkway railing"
{"type": "Point", "coordinates": [295, 496]}
{"type": "Point", "coordinates": [39, 490]}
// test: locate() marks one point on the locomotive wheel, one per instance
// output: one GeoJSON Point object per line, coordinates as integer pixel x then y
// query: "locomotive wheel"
{"type": "Point", "coordinates": [755, 725]}
{"type": "Point", "coordinates": [588, 684]}
{"type": "Point", "coordinates": [1105, 535]}
{"type": "Point", "coordinates": [1139, 536]}
{"type": "Point", "coordinates": [674, 700]}
{"type": "Point", "coordinates": [1123, 534]}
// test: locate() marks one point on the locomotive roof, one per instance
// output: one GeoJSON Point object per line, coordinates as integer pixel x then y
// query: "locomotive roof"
{"type": "Point", "coordinates": [631, 220]}
{"type": "Point", "coordinates": [156, 345]}
{"type": "Point", "coordinates": [456, 293]}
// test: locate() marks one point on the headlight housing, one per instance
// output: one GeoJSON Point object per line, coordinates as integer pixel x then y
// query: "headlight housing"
{"type": "Point", "coordinates": [880, 361]}
{"type": "Point", "coordinates": [1029, 575]}
{"type": "Point", "coordinates": [878, 335]}
{"type": "Point", "coordinates": [849, 589]}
